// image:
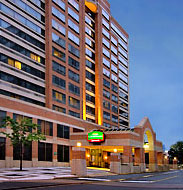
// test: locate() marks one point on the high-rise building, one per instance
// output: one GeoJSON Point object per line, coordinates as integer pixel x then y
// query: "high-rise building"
{"type": "Point", "coordinates": [63, 61]}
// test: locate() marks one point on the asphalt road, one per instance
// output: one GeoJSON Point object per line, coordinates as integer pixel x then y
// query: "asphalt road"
{"type": "Point", "coordinates": [151, 181]}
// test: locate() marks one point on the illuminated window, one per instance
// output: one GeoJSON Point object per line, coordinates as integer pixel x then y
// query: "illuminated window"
{"type": "Point", "coordinates": [35, 57]}
{"type": "Point", "coordinates": [18, 65]}
{"type": "Point", "coordinates": [11, 62]}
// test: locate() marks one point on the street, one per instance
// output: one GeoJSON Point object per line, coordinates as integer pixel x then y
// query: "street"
{"type": "Point", "coordinates": [164, 180]}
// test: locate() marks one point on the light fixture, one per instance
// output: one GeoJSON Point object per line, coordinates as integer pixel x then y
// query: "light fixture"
{"type": "Point", "coordinates": [174, 158]}
{"type": "Point", "coordinates": [166, 157]}
{"type": "Point", "coordinates": [105, 157]}
{"type": "Point", "coordinates": [115, 150]}
{"type": "Point", "coordinates": [146, 145]}
{"type": "Point", "coordinates": [88, 156]}
{"type": "Point", "coordinates": [78, 144]}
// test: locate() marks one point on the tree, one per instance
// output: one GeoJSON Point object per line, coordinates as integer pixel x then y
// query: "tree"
{"type": "Point", "coordinates": [22, 133]}
{"type": "Point", "coordinates": [176, 150]}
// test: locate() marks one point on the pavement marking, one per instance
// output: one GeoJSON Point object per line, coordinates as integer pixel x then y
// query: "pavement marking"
{"type": "Point", "coordinates": [148, 176]}
{"type": "Point", "coordinates": [165, 179]}
{"type": "Point", "coordinates": [137, 181]}
{"type": "Point", "coordinates": [94, 179]}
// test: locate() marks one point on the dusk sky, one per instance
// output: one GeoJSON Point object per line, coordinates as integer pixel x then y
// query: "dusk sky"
{"type": "Point", "coordinates": [155, 28]}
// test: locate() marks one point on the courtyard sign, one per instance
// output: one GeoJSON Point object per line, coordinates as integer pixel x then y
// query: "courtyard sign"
{"type": "Point", "coordinates": [95, 136]}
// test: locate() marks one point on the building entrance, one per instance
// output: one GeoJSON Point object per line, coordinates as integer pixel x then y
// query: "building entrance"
{"type": "Point", "coordinates": [98, 158]}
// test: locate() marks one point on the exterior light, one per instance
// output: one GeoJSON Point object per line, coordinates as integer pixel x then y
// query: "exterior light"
{"type": "Point", "coordinates": [175, 158]}
{"type": "Point", "coordinates": [105, 157]}
{"type": "Point", "coordinates": [146, 145]}
{"type": "Point", "coordinates": [88, 156]}
{"type": "Point", "coordinates": [166, 157]}
{"type": "Point", "coordinates": [115, 150]}
{"type": "Point", "coordinates": [78, 144]}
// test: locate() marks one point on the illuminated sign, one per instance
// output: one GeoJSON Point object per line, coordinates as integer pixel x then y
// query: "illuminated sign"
{"type": "Point", "coordinates": [91, 4]}
{"type": "Point", "coordinates": [95, 136]}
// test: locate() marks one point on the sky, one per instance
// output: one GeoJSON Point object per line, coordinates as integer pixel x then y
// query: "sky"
{"type": "Point", "coordinates": [155, 29]}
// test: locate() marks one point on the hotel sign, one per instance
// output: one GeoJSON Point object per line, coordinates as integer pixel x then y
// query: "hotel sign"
{"type": "Point", "coordinates": [95, 136]}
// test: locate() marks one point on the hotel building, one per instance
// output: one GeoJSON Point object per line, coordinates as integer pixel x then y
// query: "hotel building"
{"type": "Point", "coordinates": [65, 64]}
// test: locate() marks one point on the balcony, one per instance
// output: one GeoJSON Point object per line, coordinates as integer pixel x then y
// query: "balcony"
{"type": "Point", "coordinates": [92, 5]}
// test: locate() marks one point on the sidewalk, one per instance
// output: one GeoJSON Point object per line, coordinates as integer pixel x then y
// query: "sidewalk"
{"type": "Point", "coordinates": [43, 173]}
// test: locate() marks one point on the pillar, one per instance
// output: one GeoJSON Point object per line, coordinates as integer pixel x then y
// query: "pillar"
{"type": "Point", "coordinates": [115, 163]}
{"type": "Point", "coordinates": [78, 165]}
{"type": "Point", "coordinates": [175, 163]}
{"type": "Point", "coordinates": [153, 161]}
{"type": "Point", "coordinates": [140, 158]}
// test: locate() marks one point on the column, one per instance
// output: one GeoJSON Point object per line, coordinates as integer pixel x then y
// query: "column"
{"type": "Point", "coordinates": [115, 163]}
{"type": "Point", "coordinates": [78, 165]}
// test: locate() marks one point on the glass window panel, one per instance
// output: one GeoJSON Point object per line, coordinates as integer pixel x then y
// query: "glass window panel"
{"type": "Point", "coordinates": [74, 4]}
{"type": "Point", "coordinates": [73, 26]}
{"type": "Point", "coordinates": [74, 38]}
{"type": "Point", "coordinates": [105, 14]}
{"type": "Point", "coordinates": [73, 14]}
{"type": "Point", "coordinates": [106, 72]}
{"type": "Point", "coordinates": [113, 68]}
{"type": "Point", "coordinates": [60, 3]}
{"type": "Point", "coordinates": [106, 62]}
{"type": "Point", "coordinates": [58, 27]}
{"type": "Point", "coordinates": [105, 23]}
{"type": "Point", "coordinates": [106, 52]}
{"type": "Point", "coordinates": [106, 33]}
{"type": "Point", "coordinates": [105, 42]}
{"type": "Point", "coordinates": [58, 14]}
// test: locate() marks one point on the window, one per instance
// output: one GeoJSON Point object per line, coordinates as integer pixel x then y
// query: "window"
{"type": "Point", "coordinates": [74, 4]}
{"type": "Point", "coordinates": [90, 110]}
{"type": "Point", "coordinates": [106, 83]}
{"type": "Point", "coordinates": [122, 122]}
{"type": "Point", "coordinates": [73, 14]}
{"type": "Point", "coordinates": [90, 87]}
{"type": "Point", "coordinates": [58, 82]}
{"type": "Point", "coordinates": [123, 114]}
{"type": "Point", "coordinates": [90, 120]}
{"type": "Point", "coordinates": [74, 50]}
{"type": "Point", "coordinates": [106, 94]}
{"type": "Point", "coordinates": [114, 50]}
{"type": "Point", "coordinates": [73, 38]}
{"type": "Point", "coordinates": [106, 52]}
{"type": "Point", "coordinates": [106, 104]}
{"type": "Point", "coordinates": [73, 63]}
{"type": "Point", "coordinates": [58, 27]}
{"type": "Point", "coordinates": [90, 98]}
{"type": "Point", "coordinates": [114, 88]}
{"type": "Point", "coordinates": [104, 13]}
{"type": "Point", "coordinates": [58, 68]}
{"type": "Point", "coordinates": [74, 102]}
{"type": "Point", "coordinates": [73, 26]}
{"type": "Point", "coordinates": [90, 76]}
{"type": "Point", "coordinates": [123, 52]}
{"type": "Point", "coordinates": [73, 76]}
{"type": "Point", "coordinates": [118, 32]}
{"type": "Point", "coordinates": [122, 44]}
{"type": "Point", "coordinates": [74, 89]}
{"type": "Point", "coordinates": [20, 82]}
{"type": "Point", "coordinates": [114, 119]}
{"type": "Point", "coordinates": [106, 24]}
{"type": "Point", "coordinates": [106, 72]}
{"type": "Point", "coordinates": [89, 22]}
{"type": "Point", "coordinates": [114, 59]}
{"type": "Point", "coordinates": [60, 3]}
{"type": "Point", "coordinates": [21, 19]}
{"type": "Point", "coordinates": [106, 115]}
{"type": "Point", "coordinates": [114, 41]}
{"type": "Point", "coordinates": [122, 60]}
{"type": "Point", "coordinates": [106, 62]}
{"type": "Point", "coordinates": [122, 77]}
{"type": "Point", "coordinates": [45, 127]}
{"type": "Point", "coordinates": [21, 34]}
{"type": "Point", "coordinates": [124, 87]}
{"type": "Point", "coordinates": [59, 109]}
{"type": "Point", "coordinates": [74, 114]}
{"type": "Point", "coordinates": [90, 65]}
{"type": "Point", "coordinates": [58, 40]}
{"type": "Point", "coordinates": [62, 153]}
{"type": "Point", "coordinates": [58, 96]}
{"type": "Point", "coordinates": [58, 14]}
{"type": "Point", "coordinates": [124, 105]}
{"type": "Point", "coordinates": [90, 43]}
{"type": "Point", "coordinates": [106, 124]}
{"type": "Point", "coordinates": [124, 70]}
{"type": "Point", "coordinates": [115, 109]}
{"type": "Point", "coordinates": [105, 33]}
{"type": "Point", "coordinates": [58, 54]}
{"type": "Point", "coordinates": [45, 151]}
{"type": "Point", "coordinates": [114, 78]}
{"type": "Point", "coordinates": [3, 148]}
{"type": "Point", "coordinates": [2, 116]}
{"type": "Point", "coordinates": [21, 50]}
{"type": "Point", "coordinates": [123, 95]}
{"type": "Point", "coordinates": [113, 68]}
{"type": "Point", "coordinates": [90, 53]}
{"type": "Point", "coordinates": [63, 131]}
{"type": "Point", "coordinates": [27, 151]}
{"type": "Point", "coordinates": [89, 32]}
{"type": "Point", "coordinates": [114, 98]}
{"type": "Point", "coordinates": [105, 42]}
